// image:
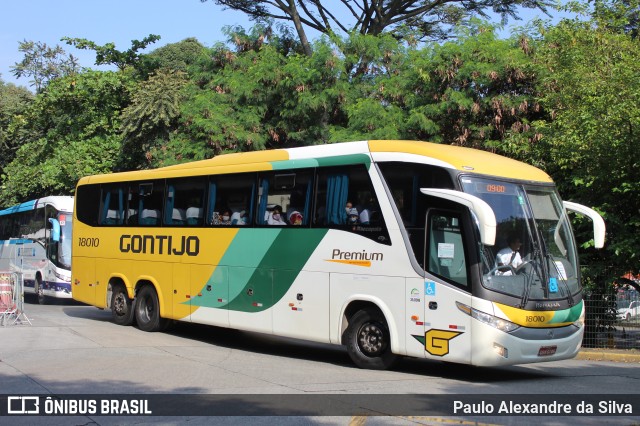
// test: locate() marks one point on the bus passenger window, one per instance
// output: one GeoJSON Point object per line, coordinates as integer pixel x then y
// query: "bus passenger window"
{"type": "Point", "coordinates": [345, 199]}
{"type": "Point", "coordinates": [285, 198]}
{"type": "Point", "coordinates": [231, 199]}
{"type": "Point", "coordinates": [112, 205]}
{"type": "Point", "coordinates": [184, 201]}
{"type": "Point", "coordinates": [145, 203]}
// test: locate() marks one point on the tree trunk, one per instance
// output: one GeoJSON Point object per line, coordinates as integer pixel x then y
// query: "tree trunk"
{"type": "Point", "coordinates": [298, 25]}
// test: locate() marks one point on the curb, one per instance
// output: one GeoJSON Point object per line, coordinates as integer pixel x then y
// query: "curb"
{"type": "Point", "coordinates": [629, 356]}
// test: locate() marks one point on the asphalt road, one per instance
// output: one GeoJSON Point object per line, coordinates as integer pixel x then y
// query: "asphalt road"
{"type": "Point", "coordinates": [76, 349]}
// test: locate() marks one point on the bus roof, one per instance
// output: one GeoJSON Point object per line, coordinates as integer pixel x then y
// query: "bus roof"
{"type": "Point", "coordinates": [60, 202]}
{"type": "Point", "coordinates": [454, 157]}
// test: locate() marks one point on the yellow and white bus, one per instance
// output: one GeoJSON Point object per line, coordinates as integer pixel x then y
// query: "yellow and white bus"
{"type": "Point", "coordinates": [387, 247]}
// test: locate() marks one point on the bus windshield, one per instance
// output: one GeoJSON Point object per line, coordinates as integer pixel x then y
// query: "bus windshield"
{"type": "Point", "coordinates": [534, 257]}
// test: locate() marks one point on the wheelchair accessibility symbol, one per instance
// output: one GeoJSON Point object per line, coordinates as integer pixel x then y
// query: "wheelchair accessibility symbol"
{"type": "Point", "coordinates": [429, 288]}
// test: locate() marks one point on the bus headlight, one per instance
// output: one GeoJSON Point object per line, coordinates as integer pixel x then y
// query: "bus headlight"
{"type": "Point", "coordinates": [493, 321]}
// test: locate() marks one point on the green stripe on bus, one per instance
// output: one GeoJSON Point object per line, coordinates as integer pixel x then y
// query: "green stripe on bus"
{"type": "Point", "coordinates": [237, 266]}
{"type": "Point", "coordinates": [295, 164]}
{"type": "Point", "coordinates": [567, 315]}
{"type": "Point", "coordinates": [278, 269]}
{"type": "Point", "coordinates": [341, 160]}
{"type": "Point", "coordinates": [258, 268]}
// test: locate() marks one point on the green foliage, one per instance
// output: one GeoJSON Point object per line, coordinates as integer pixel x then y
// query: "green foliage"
{"type": "Point", "coordinates": [152, 115]}
{"type": "Point", "coordinates": [43, 63]}
{"type": "Point", "coordinates": [592, 143]}
{"type": "Point", "coordinates": [176, 56]}
{"type": "Point", "coordinates": [109, 55]}
{"type": "Point", "coordinates": [71, 130]}
{"type": "Point", "coordinates": [13, 102]}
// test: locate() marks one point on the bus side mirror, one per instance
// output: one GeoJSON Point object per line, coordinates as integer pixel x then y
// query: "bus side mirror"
{"type": "Point", "coordinates": [55, 229]}
{"type": "Point", "coordinates": [599, 227]}
{"type": "Point", "coordinates": [482, 212]}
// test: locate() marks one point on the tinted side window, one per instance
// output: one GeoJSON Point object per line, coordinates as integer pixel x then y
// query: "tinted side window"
{"type": "Point", "coordinates": [184, 203]}
{"type": "Point", "coordinates": [345, 199]}
{"type": "Point", "coordinates": [87, 204]}
{"type": "Point", "coordinates": [145, 202]}
{"type": "Point", "coordinates": [231, 200]}
{"type": "Point", "coordinates": [285, 198]}
{"type": "Point", "coordinates": [112, 205]}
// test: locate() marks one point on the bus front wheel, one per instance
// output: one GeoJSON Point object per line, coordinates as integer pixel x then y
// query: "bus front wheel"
{"type": "Point", "coordinates": [368, 340]}
{"type": "Point", "coordinates": [39, 290]}
{"type": "Point", "coordinates": [121, 306]}
{"type": "Point", "coordinates": [147, 310]}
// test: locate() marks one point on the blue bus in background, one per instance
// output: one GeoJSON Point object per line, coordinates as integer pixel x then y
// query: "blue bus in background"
{"type": "Point", "coordinates": [35, 240]}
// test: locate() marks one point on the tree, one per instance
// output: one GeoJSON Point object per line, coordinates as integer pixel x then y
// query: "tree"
{"type": "Point", "coordinates": [177, 56]}
{"type": "Point", "coordinates": [152, 115]}
{"type": "Point", "coordinates": [43, 63]}
{"type": "Point", "coordinates": [109, 55]}
{"type": "Point", "coordinates": [431, 19]}
{"type": "Point", "coordinates": [592, 143]}
{"type": "Point", "coordinates": [70, 130]}
{"type": "Point", "coordinates": [14, 100]}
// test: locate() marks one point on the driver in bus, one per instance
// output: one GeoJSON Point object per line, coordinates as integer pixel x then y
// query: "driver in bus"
{"type": "Point", "coordinates": [508, 259]}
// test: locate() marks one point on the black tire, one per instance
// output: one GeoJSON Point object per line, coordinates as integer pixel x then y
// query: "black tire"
{"type": "Point", "coordinates": [122, 310]}
{"type": "Point", "coordinates": [42, 299]}
{"type": "Point", "coordinates": [147, 310]}
{"type": "Point", "coordinates": [368, 340]}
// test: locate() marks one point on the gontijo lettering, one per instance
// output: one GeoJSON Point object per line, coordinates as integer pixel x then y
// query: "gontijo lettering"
{"type": "Point", "coordinates": [160, 244]}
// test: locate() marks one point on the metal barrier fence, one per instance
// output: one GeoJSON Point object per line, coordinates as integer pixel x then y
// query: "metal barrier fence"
{"type": "Point", "coordinates": [611, 322]}
{"type": "Point", "coordinates": [12, 299]}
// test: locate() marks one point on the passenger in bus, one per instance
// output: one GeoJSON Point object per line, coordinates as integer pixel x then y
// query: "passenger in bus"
{"type": "Point", "coordinates": [352, 216]}
{"type": "Point", "coordinates": [239, 218]}
{"type": "Point", "coordinates": [225, 217]}
{"type": "Point", "coordinates": [508, 259]}
{"type": "Point", "coordinates": [275, 217]}
{"type": "Point", "coordinates": [295, 218]}
{"type": "Point", "coordinates": [366, 211]}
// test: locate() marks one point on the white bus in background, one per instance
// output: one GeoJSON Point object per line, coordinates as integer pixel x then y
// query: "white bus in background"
{"type": "Point", "coordinates": [35, 240]}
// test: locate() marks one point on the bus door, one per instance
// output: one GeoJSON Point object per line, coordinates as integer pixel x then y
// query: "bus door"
{"type": "Point", "coordinates": [446, 287]}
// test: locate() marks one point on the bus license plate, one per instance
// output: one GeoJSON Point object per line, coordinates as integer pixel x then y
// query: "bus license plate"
{"type": "Point", "coordinates": [547, 350]}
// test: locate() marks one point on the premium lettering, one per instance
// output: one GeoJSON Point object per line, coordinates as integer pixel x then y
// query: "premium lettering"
{"type": "Point", "coordinates": [355, 255]}
{"type": "Point", "coordinates": [160, 244]}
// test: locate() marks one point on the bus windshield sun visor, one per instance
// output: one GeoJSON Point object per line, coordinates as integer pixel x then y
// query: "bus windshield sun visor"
{"type": "Point", "coordinates": [482, 211]}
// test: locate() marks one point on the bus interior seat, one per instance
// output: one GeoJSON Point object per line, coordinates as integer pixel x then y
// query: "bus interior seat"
{"type": "Point", "coordinates": [194, 215]}
{"type": "Point", "coordinates": [113, 217]}
{"type": "Point", "coordinates": [149, 217]}
{"type": "Point", "coordinates": [179, 217]}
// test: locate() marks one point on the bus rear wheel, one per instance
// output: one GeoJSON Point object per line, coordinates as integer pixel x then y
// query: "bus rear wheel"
{"type": "Point", "coordinates": [368, 340]}
{"type": "Point", "coordinates": [121, 306]}
{"type": "Point", "coordinates": [147, 310]}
